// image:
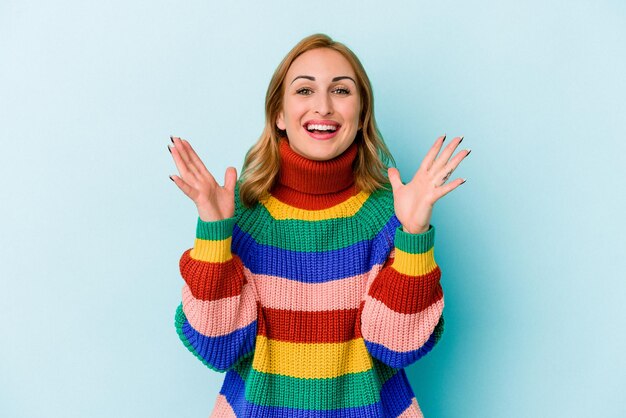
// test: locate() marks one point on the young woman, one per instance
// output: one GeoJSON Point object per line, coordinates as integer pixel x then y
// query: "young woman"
{"type": "Point", "coordinates": [311, 282]}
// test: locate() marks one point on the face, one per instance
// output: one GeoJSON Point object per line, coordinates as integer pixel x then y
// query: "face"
{"type": "Point", "coordinates": [321, 105]}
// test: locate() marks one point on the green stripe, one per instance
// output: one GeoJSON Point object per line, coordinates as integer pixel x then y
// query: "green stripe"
{"type": "Point", "coordinates": [415, 243]}
{"type": "Point", "coordinates": [438, 331]}
{"type": "Point", "coordinates": [358, 389]}
{"type": "Point", "coordinates": [383, 371]}
{"type": "Point", "coordinates": [216, 230]}
{"type": "Point", "coordinates": [179, 320]}
{"type": "Point", "coordinates": [323, 235]}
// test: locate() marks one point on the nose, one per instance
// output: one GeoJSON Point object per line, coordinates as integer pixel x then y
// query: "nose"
{"type": "Point", "coordinates": [324, 105]}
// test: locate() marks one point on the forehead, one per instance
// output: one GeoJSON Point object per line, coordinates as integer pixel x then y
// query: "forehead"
{"type": "Point", "coordinates": [320, 62]}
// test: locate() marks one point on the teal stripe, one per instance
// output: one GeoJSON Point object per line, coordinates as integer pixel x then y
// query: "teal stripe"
{"type": "Point", "coordinates": [216, 230]}
{"type": "Point", "coordinates": [323, 235]}
{"type": "Point", "coordinates": [415, 243]}
{"type": "Point", "coordinates": [314, 394]}
{"type": "Point", "coordinates": [179, 321]}
{"type": "Point", "coordinates": [358, 389]}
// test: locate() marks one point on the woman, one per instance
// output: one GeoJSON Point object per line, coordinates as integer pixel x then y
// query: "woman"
{"type": "Point", "coordinates": [311, 283]}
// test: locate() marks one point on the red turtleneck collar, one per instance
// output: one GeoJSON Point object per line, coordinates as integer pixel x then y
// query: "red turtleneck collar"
{"type": "Point", "coordinates": [314, 185]}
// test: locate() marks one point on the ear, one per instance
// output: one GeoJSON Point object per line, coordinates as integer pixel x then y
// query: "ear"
{"type": "Point", "coordinates": [280, 121]}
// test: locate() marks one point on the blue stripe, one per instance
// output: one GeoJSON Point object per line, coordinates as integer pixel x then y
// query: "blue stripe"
{"type": "Point", "coordinates": [221, 353]}
{"type": "Point", "coordinates": [396, 395]}
{"type": "Point", "coordinates": [315, 267]}
{"type": "Point", "coordinates": [234, 391]}
{"type": "Point", "coordinates": [400, 360]}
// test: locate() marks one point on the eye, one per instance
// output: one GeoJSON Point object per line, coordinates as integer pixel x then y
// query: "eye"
{"type": "Point", "coordinates": [304, 91]}
{"type": "Point", "coordinates": [341, 90]}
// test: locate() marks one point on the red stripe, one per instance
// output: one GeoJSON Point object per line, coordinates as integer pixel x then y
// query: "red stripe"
{"type": "Point", "coordinates": [406, 294]}
{"type": "Point", "coordinates": [310, 201]}
{"type": "Point", "coordinates": [309, 327]}
{"type": "Point", "coordinates": [212, 281]}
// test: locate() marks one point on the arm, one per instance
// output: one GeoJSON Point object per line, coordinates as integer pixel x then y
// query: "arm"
{"type": "Point", "coordinates": [402, 312]}
{"type": "Point", "coordinates": [217, 318]}
{"type": "Point", "coordinates": [402, 317]}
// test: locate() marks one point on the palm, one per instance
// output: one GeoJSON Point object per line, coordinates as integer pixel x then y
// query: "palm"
{"type": "Point", "coordinates": [213, 201]}
{"type": "Point", "coordinates": [414, 201]}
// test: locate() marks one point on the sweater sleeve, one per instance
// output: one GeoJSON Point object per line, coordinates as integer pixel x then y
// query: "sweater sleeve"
{"type": "Point", "coordinates": [217, 319]}
{"type": "Point", "coordinates": [402, 318]}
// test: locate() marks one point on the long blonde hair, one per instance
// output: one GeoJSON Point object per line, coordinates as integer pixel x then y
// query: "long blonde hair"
{"type": "Point", "coordinates": [262, 161]}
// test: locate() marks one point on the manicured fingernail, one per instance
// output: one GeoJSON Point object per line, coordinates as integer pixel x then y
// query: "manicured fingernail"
{"type": "Point", "coordinates": [468, 152]}
{"type": "Point", "coordinates": [171, 179]}
{"type": "Point", "coordinates": [444, 137]}
{"type": "Point", "coordinates": [172, 139]}
{"type": "Point", "coordinates": [464, 180]}
{"type": "Point", "coordinates": [461, 140]}
{"type": "Point", "coordinates": [169, 149]}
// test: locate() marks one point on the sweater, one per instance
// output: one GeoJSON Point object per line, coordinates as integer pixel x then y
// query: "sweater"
{"type": "Point", "coordinates": [313, 301]}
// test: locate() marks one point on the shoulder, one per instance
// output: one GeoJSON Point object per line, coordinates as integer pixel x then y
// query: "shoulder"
{"type": "Point", "coordinates": [378, 209]}
{"type": "Point", "coordinates": [380, 201]}
{"type": "Point", "coordinates": [246, 216]}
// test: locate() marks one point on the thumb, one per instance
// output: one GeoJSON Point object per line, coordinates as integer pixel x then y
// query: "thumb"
{"type": "Point", "coordinates": [394, 178]}
{"type": "Point", "coordinates": [230, 178]}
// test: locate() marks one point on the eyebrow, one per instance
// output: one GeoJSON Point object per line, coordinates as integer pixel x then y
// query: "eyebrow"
{"type": "Point", "coordinates": [308, 77]}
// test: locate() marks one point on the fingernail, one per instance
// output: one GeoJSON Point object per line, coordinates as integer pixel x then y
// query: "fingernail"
{"type": "Point", "coordinates": [461, 140]}
{"type": "Point", "coordinates": [171, 179]}
{"type": "Point", "coordinates": [172, 139]}
{"type": "Point", "coordinates": [464, 180]}
{"type": "Point", "coordinates": [169, 149]}
{"type": "Point", "coordinates": [468, 151]}
{"type": "Point", "coordinates": [444, 138]}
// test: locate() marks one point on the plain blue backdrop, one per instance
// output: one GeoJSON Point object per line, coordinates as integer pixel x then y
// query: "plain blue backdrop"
{"type": "Point", "coordinates": [531, 247]}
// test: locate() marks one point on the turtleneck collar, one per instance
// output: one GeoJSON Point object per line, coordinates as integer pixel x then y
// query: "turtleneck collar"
{"type": "Point", "coordinates": [310, 184]}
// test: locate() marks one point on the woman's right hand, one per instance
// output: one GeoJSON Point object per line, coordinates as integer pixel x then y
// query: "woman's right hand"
{"type": "Point", "coordinates": [213, 201]}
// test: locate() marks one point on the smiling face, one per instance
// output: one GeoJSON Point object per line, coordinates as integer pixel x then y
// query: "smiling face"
{"type": "Point", "coordinates": [321, 105]}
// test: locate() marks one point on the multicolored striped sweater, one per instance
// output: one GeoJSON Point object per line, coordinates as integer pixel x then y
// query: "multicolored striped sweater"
{"type": "Point", "coordinates": [314, 301]}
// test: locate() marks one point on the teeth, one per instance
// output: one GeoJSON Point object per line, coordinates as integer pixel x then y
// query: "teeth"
{"type": "Point", "coordinates": [322, 127]}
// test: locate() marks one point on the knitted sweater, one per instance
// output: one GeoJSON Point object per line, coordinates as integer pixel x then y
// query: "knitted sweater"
{"type": "Point", "coordinates": [314, 301]}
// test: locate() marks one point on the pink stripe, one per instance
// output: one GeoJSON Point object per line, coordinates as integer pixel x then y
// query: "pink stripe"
{"type": "Point", "coordinates": [222, 316]}
{"type": "Point", "coordinates": [397, 331]}
{"type": "Point", "coordinates": [413, 411]}
{"type": "Point", "coordinates": [280, 293]}
{"type": "Point", "coordinates": [222, 409]}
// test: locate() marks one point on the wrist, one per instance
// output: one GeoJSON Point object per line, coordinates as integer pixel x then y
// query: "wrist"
{"type": "Point", "coordinates": [415, 229]}
{"type": "Point", "coordinates": [210, 214]}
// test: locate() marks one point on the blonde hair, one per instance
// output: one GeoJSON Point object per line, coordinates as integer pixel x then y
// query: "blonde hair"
{"type": "Point", "coordinates": [262, 161]}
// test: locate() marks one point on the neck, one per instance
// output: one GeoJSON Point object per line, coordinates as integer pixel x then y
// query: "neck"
{"type": "Point", "coordinates": [309, 184]}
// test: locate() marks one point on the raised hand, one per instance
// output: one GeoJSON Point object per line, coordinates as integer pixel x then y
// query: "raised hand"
{"type": "Point", "coordinates": [414, 201]}
{"type": "Point", "coordinates": [213, 201]}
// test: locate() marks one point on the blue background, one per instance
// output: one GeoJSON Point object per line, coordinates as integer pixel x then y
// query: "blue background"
{"type": "Point", "coordinates": [531, 247]}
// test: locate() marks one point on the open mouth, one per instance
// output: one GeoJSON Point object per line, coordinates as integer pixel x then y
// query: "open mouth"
{"type": "Point", "coordinates": [321, 128]}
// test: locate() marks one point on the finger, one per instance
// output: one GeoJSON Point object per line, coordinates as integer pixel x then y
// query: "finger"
{"type": "Point", "coordinates": [179, 162]}
{"type": "Point", "coordinates": [230, 179]}
{"type": "Point", "coordinates": [394, 178]}
{"type": "Point", "coordinates": [442, 160]}
{"type": "Point", "coordinates": [456, 160]}
{"type": "Point", "coordinates": [184, 155]}
{"type": "Point", "coordinates": [444, 190]}
{"type": "Point", "coordinates": [431, 154]}
{"type": "Point", "coordinates": [183, 186]}
{"type": "Point", "coordinates": [197, 163]}
{"type": "Point", "coordinates": [441, 178]}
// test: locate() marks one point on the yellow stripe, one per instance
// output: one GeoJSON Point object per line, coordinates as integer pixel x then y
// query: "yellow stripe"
{"type": "Point", "coordinates": [282, 211]}
{"type": "Point", "coordinates": [212, 251]}
{"type": "Point", "coordinates": [414, 264]}
{"type": "Point", "coordinates": [311, 360]}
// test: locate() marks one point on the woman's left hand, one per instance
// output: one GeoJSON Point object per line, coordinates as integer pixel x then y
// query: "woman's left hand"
{"type": "Point", "coordinates": [413, 202]}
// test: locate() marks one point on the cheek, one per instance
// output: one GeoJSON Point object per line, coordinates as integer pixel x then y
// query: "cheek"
{"type": "Point", "coordinates": [352, 112]}
{"type": "Point", "coordinates": [292, 114]}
